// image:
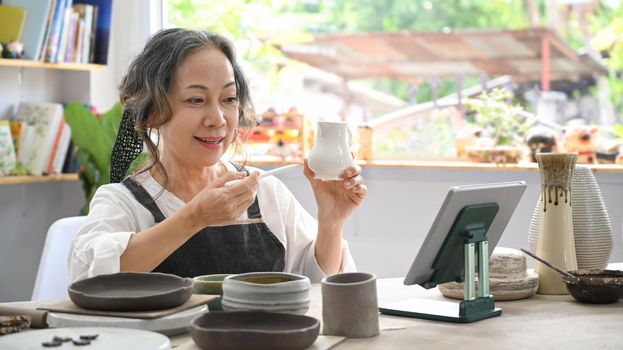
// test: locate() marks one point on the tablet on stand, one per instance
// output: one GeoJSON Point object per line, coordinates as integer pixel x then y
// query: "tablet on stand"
{"type": "Point", "coordinates": [466, 229]}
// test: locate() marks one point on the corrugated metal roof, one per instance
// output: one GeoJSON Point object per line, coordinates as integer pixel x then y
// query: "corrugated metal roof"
{"type": "Point", "coordinates": [418, 56]}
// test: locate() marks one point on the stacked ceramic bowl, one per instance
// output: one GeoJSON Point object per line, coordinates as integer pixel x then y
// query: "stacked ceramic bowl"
{"type": "Point", "coordinates": [509, 278]}
{"type": "Point", "coordinates": [266, 291]}
{"type": "Point", "coordinates": [591, 224]}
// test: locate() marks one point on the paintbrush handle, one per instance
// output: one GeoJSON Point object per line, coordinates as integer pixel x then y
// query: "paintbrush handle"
{"type": "Point", "coordinates": [275, 171]}
{"type": "Point", "coordinates": [546, 263]}
{"type": "Point", "coordinates": [280, 170]}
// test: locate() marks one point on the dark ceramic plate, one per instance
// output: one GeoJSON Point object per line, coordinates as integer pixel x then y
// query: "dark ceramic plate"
{"type": "Point", "coordinates": [131, 291]}
{"type": "Point", "coordinates": [595, 286]}
{"type": "Point", "coordinates": [254, 330]}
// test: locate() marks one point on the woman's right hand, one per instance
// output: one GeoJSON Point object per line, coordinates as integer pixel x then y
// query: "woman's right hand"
{"type": "Point", "coordinates": [218, 205]}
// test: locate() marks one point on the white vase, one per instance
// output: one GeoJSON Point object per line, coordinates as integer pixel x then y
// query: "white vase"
{"type": "Point", "coordinates": [591, 224]}
{"type": "Point", "coordinates": [330, 155]}
{"type": "Point", "coordinates": [555, 242]}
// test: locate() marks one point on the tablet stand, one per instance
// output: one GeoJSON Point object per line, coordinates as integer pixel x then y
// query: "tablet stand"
{"type": "Point", "coordinates": [469, 234]}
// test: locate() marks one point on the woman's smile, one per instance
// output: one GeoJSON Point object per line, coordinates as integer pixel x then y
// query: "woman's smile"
{"type": "Point", "coordinates": [211, 142]}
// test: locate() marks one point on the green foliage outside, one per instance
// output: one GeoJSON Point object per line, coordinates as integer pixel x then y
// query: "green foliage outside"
{"type": "Point", "coordinates": [608, 24]}
{"type": "Point", "coordinates": [497, 112]}
{"type": "Point", "coordinates": [257, 24]}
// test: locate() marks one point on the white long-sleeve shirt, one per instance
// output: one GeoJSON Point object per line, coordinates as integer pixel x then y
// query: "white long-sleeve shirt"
{"type": "Point", "coordinates": [115, 215]}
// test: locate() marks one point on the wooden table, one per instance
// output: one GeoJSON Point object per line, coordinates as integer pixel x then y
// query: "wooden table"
{"type": "Point", "coordinates": [540, 322]}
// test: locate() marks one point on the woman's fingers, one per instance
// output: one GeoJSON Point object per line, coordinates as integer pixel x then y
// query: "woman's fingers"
{"type": "Point", "coordinates": [243, 185]}
{"type": "Point", "coordinates": [353, 182]}
{"type": "Point", "coordinates": [228, 177]}
{"type": "Point", "coordinates": [237, 196]}
{"type": "Point", "coordinates": [352, 171]}
{"type": "Point", "coordinates": [307, 170]}
{"type": "Point", "coordinates": [358, 193]}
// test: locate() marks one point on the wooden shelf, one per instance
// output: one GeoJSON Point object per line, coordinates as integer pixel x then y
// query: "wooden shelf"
{"type": "Point", "coordinates": [45, 65]}
{"type": "Point", "coordinates": [450, 165]}
{"type": "Point", "coordinates": [16, 180]}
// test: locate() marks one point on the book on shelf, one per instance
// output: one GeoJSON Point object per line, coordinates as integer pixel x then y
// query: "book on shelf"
{"type": "Point", "coordinates": [102, 17]}
{"type": "Point", "coordinates": [48, 29]}
{"type": "Point", "coordinates": [75, 45]}
{"type": "Point", "coordinates": [86, 32]}
{"type": "Point", "coordinates": [7, 151]}
{"type": "Point", "coordinates": [59, 150]}
{"type": "Point", "coordinates": [65, 34]}
{"type": "Point", "coordinates": [40, 125]}
{"type": "Point", "coordinates": [16, 131]}
{"type": "Point", "coordinates": [55, 31]}
{"type": "Point", "coordinates": [37, 12]}
{"type": "Point", "coordinates": [71, 164]}
{"type": "Point", "coordinates": [77, 31]}
{"type": "Point", "coordinates": [12, 19]}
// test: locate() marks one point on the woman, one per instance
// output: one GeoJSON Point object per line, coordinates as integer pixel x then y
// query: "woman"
{"type": "Point", "coordinates": [176, 216]}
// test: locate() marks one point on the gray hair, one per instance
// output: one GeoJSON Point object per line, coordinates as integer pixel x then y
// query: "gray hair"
{"type": "Point", "coordinates": [144, 89]}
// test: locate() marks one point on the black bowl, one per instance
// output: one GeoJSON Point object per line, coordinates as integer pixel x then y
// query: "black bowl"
{"type": "Point", "coordinates": [131, 291]}
{"type": "Point", "coordinates": [595, 286]}
{"type": "Point", "coordinates": [254, 330]}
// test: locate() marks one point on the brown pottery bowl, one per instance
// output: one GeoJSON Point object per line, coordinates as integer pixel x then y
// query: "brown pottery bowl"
{"type": "Point", "coordinates": [131, 291]}
{"type": "Point", "coordinates": [595, 286]}
{"type": "Point", "coordinates": [254, 330]}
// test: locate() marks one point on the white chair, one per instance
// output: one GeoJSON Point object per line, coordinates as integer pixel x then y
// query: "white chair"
{"type": "Point", "coordinates": [53, 275]}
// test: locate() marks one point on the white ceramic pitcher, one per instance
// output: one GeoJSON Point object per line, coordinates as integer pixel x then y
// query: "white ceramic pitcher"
{"type": "Point", "coordinates": [330, 155]}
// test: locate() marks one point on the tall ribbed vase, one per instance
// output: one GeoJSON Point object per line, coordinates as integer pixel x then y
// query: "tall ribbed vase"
{"type": "Point", "coordinates": [592, 229]}
{"type": "Point", "coordinates": [556, 240]}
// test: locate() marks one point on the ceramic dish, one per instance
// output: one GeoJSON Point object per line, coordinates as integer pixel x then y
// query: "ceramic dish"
{"type": "Point", "coordinates": [131, 291]}
{"type": "Point", "coordinates": [107, 338]}
{"type": "Point", "coordinates": [254, 330]}
{"type": "Point", "coordinates": [501, 289]}
{"type": "Point", "coordinates": [595, 286]}
{"type": "Point", "coordinates": [266, 291]}
{"type": "Point", "coordinates": [509, 277]}
{"type": "Point", "coordinates": [173, 324]}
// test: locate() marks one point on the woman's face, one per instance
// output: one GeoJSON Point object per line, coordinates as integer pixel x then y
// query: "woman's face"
{"type": "Point", "coordinates": [205, 110]}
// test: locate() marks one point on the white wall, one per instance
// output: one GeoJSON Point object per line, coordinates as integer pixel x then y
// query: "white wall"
{"type": "Point", "coordinates": [386, 232]}
{"type": "Point", "coordinates": [27, 210]}
{"type": "Point", "coordinates": [40, 85]}
{"type": "Point", "coordinates": [133, 23]}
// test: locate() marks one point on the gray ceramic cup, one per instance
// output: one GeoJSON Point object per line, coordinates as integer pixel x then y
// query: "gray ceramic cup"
{"type": "Point", "coordinates": [349, 305]}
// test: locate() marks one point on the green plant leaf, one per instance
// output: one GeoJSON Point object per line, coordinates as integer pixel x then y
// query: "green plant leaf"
{"type": "Point", "coordinates": [94, 136]}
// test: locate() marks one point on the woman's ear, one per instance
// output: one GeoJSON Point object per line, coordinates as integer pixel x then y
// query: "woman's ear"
{"type": "Point", "coordinates": [150, 118]}
{"type": "Point", "coordinates": [154, 119]}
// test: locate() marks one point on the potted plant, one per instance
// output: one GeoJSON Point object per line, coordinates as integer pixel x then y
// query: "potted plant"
{"type": "Point", "coordinates": [94, 136]}
{"type": "Point", "coordinates": [501, 120]}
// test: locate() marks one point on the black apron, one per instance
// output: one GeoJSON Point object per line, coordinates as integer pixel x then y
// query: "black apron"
{"type": "Point", "coordinates": [237, 248]}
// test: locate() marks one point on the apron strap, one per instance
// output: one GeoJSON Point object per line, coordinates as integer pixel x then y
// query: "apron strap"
{"type": "Point", "coordinates": [144, 198]}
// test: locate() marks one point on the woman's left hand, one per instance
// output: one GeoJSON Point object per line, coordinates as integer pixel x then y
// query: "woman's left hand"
{"type": "Point", "coordinates": [337, 200]}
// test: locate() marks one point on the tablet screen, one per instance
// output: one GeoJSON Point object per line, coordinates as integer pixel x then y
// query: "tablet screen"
{"type": "Point", "coordinates": [505, 194]}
